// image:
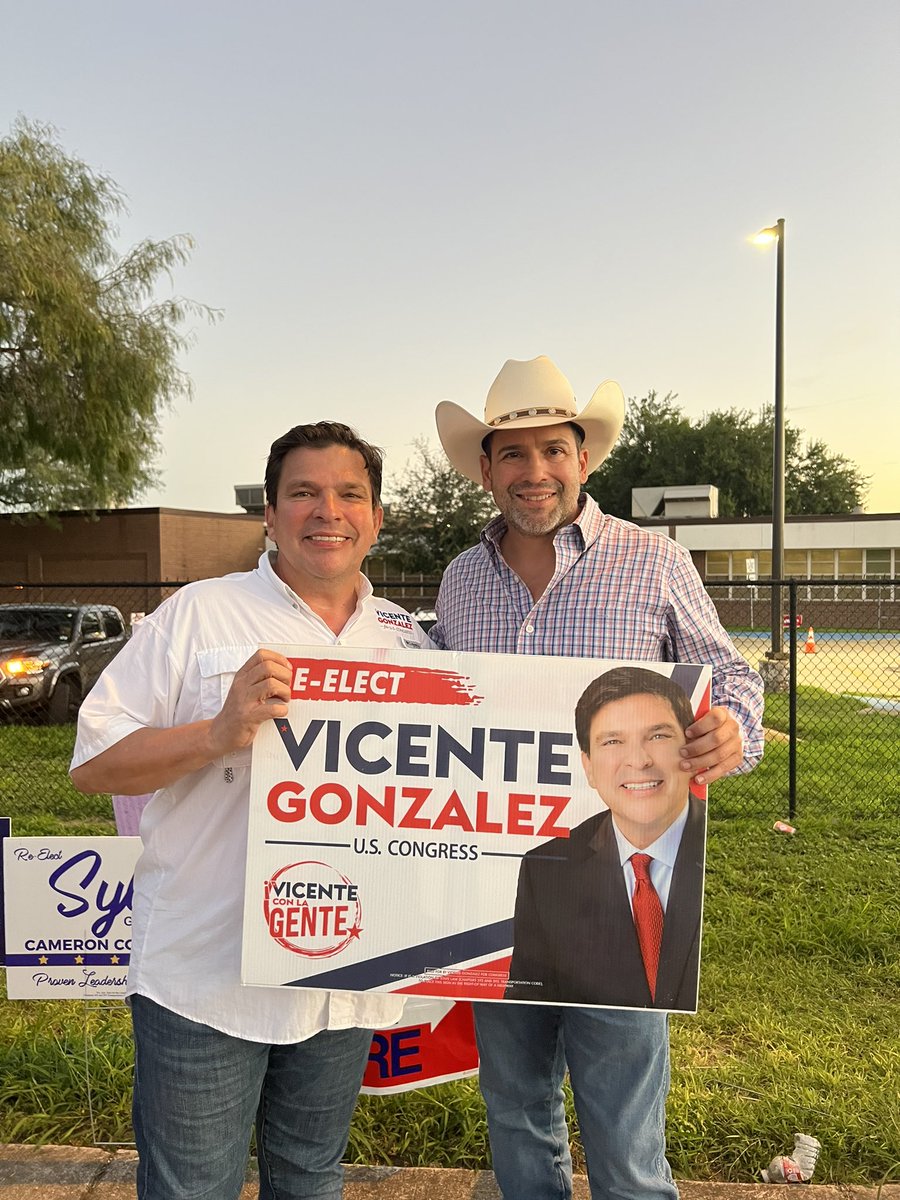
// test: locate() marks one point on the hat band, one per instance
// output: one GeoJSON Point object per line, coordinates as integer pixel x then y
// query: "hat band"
{"type": "Point", "coordinates": [565, 413]}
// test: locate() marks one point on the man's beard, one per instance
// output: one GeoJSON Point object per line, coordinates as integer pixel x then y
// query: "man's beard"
{"type": "Point", "coordinates": [538, 524]}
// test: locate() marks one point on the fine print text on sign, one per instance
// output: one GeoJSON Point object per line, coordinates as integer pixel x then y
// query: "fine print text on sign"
{"type": "Point", "coordinates": [438, 826]}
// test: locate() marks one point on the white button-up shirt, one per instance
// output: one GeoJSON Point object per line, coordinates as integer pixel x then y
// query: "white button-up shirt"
{"type": "Point", "coordinates": [189, 880]}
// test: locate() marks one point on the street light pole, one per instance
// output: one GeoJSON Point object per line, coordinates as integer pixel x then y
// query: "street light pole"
{"type": "Point", "coordinates": [775, 233]}
{"type": "Point", "coordinates": [778, 456]}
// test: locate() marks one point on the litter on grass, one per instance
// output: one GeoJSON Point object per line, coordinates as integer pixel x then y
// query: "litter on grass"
{"type": "Point", "coordinates": [783, 827]}
{"type": "Point", "coordinates": [796, 1167]}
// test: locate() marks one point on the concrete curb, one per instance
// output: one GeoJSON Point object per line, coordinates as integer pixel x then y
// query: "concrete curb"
{"type": "Point", "coordinates": [78, 1173]}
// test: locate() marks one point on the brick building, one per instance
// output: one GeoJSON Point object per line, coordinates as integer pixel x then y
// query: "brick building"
{"type": "Point", "coordinates": [133, 546]}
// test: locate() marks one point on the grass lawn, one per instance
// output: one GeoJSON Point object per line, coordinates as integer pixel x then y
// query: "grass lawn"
{"type": "Point", "coordinates": [798, 1022]}
{"type": "Point", "coordinates": [847, 762]}
{"type": "Point", "coordinates": [35, 789]}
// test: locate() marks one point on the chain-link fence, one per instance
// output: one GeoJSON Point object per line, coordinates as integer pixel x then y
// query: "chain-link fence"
{"type": "Point", "coordinates": [832, 714]}
{"type": "Point", "coordinates": [833, 708]}
{"type": "Point", "coordinates": [416, 591]}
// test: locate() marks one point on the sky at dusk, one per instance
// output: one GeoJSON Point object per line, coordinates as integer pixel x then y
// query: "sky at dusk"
{"type": "Point", "coordinates": [389, 199]}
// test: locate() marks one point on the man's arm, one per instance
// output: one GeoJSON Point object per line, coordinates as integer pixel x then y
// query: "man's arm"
{"type": "Point", "coordinates": [149, 759]}
{"type": "Point", "coordinates": [730, 736]}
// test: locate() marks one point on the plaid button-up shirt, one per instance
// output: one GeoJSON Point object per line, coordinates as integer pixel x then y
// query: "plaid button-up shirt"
{"type": "Point", "coordinates": [618, 592]}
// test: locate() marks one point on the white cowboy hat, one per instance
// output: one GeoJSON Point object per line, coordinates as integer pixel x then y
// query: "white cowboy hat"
{"type": "Point", "coordinates": [526, 395]}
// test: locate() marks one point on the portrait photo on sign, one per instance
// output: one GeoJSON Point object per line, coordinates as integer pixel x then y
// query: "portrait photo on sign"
{"type": "Point", "coordinates": [610, 914]}
{"type": "Point", "coordinates": [479, 827]}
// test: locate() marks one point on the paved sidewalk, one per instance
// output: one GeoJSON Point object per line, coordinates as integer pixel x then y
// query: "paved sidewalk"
{"type": "Point", "coordinates": [69, 1173]}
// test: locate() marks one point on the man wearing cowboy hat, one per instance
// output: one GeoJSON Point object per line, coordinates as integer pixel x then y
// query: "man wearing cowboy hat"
{"type": "Point", "coordinates": [552, 574]}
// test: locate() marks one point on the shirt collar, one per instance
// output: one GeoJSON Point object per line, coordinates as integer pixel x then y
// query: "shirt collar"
{"type": "Point", "coordinates": [273, 579]}
{"type": "Point", "coordinates": [664, 849]}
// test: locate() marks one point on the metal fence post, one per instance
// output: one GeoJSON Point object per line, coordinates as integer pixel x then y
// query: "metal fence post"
{"type": "Point", "coordinates": [792, 700]}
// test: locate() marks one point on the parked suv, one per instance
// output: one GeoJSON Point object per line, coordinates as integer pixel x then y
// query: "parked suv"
{"type": "Point", "coordinates": [52, 654]}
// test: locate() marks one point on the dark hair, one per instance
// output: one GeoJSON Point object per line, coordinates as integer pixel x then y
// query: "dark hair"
{"type": "Point", "coordinates": [319, 437]}
{"type": "Point", "coordinates": [618, 684]}
{"type": "Point", "coordinates": [576, 430]}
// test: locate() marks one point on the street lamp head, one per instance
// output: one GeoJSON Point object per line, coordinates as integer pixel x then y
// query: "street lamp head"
{"type": "Point", "coordinates": [765, 236]}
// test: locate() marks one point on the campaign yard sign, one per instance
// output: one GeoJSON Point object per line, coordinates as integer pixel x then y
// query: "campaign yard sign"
{"type": "Point", "coordinates": [432, 826]}
{"type": "Point", "coordinates": [67, 903]}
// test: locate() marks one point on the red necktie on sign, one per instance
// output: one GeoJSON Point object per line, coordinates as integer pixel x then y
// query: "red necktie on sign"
{"type": "Point", "coordinates": [648, 917]}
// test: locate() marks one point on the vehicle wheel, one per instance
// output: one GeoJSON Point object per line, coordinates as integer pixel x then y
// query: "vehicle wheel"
{"type": "Point", "coordinates": [63, 704]}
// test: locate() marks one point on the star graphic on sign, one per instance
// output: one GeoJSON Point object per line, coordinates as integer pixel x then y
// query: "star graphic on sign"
{"type": "Point", "coordinates": [283, 727]}
{"type": "Point", "coordinates": [43, 960]}
{"type": "Point", "coordinates": [79, 959]}
{"type": "Point", "coordinates": [356, 930]}
{"type": "Point", "coordinates": [114, 958]}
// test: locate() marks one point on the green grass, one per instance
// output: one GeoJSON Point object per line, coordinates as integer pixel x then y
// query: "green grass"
{"type": "Point", "coordinates": [46, 1051]}
{"type": "Point", "coordinates": [847, 762]}
{"type": "Point", "coordinates": [35, 788]}
{"type": "Point", "coordinates": [798, 1021]}
{"type": "Point", "coordinates": [797, 1029]}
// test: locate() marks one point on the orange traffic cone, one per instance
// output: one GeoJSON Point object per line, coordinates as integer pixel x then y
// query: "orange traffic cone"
{"type": "Point", "coordinates": [810, 647]}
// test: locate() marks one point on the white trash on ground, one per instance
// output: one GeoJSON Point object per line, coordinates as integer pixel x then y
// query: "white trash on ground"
{"type": "Point", "coordinates": [796, 1167]}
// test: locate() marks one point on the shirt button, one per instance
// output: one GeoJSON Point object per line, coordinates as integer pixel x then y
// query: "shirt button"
{"type": "Point", "coordinates": [529, 629]}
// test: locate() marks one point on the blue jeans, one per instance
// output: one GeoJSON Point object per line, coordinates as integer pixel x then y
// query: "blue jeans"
{"type": "Point", "coordinates": [197, 1093]}
{"type": "Point", "coordinates": [619, 1067]}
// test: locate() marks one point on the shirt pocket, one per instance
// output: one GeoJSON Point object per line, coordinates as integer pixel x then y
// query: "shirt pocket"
{"type": "Point", "coordinates": [218, 667]}
{"type": "Point", "coordinates": [629, 633]}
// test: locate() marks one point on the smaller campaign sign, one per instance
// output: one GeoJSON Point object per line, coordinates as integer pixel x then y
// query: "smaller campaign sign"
{"type": "Point", "coordinates": [67, 907]}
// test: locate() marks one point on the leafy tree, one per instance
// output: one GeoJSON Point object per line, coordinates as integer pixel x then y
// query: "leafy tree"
{"type": "Point", "coordinates": [731, 449]}
{"type": "Point", "coordinates": [433, 513]}
{"type": "Point", "coordinates": [88, 354]}
{"type": "Point", "coordinates": [824, 482]}
{"type": "Point", "coordinates": [656, 442]}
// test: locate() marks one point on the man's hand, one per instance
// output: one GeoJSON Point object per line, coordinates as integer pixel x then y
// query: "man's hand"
{"type": "Point", "coordinates": [149, 759]}
{"type": "Point", "coordinates": [259, 691]}
{"type": "Point", "coordinates": [715, 746]}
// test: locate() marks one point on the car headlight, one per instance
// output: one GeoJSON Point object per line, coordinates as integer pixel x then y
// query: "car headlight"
{"type": "Point", "coordinates": [16, 668]}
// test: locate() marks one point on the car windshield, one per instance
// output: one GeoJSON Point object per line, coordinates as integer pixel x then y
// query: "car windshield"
{"type": "Point", "coordinates": [37, 624]}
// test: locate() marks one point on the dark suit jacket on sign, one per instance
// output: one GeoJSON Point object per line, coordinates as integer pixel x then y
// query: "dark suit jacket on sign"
{"type": "Point", "coordinates": [574, 939]}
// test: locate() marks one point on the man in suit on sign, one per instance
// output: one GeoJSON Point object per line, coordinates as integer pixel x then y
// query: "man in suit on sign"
{"type": "Point", "coordinates": [611, 914]}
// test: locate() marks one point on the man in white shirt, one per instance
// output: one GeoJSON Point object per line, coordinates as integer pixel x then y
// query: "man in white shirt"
{"type": "Point", "coordinates": [611, 914]}
{"type": "Point", "coordinates": [175, 714]}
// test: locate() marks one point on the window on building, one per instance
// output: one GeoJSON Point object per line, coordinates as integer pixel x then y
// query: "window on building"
{"type": "Point", "coordinates": [848, 591]}
{"type": "Point", "coordinates": [821, 564]}
{"type": "Point", "coordinates": [718, 564]}
{"type": "Point", "coordinates": [795, 565]}
{"type": "Point", "coordinates": [878, 562]}
{"type": "Point", "coordinates": [850, 564]}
